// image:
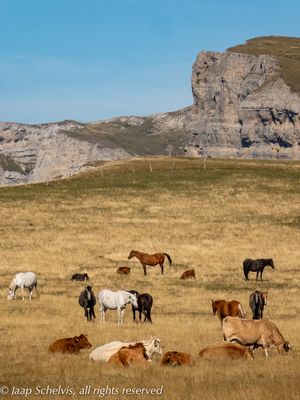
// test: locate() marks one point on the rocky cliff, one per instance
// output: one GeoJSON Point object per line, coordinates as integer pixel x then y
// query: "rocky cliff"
{"type": "Point", "coordinates": [246, 104]}
{"type": "Point", "coordinates": [243, 107]}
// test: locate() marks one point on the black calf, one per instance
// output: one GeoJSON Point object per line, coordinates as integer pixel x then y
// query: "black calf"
{"type": "Point", "coordinates": [80, 277]}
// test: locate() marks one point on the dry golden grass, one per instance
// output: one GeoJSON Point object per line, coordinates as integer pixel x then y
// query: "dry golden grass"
{"type": "Point", "coordinates": [209, 220]}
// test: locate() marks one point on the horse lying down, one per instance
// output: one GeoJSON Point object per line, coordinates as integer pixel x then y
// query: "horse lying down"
{"type": "Point", "coordinates": [104, 352]}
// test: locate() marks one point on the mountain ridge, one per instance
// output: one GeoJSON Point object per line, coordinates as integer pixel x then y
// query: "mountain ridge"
{"type": "Point", "coordinates": [246, 105]}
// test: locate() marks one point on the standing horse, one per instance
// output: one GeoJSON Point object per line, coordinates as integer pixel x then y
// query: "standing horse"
{"type": "Point", "coordinates": [224, 308]}
{"type": "Point", "coordinates": [145, 302]}
{"type": "Point", "coordinates": [150, 259]}
{"type": "Point", "coordinates": [22, 280]}
{"type": "Point", "coordinates": [257, 266]}
{"type": "Point", "coordinates": [257, 301]}
{"type": "Point", "coordinates": [87, 300]}
{"type": "Point", "coordinates": [109, 300]}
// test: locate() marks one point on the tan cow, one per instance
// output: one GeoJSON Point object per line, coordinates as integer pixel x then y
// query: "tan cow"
{"type": "Point", "coordinates": [70, 345]}
{"type": "Point", "coordinates": [123, 271]}
{"type": "Point", "coordinates": [226, 351]}
{"type": "Point", "coordinates": [131, 355]}
{"type": "Point", "coordinates": [257, 333]}
{"type": "Point", "coordinates": [190, 273]}
{"type": "Point", "coordinates": [177, 359]}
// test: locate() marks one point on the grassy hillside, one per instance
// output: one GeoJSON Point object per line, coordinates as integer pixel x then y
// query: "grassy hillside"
{"type": "Point", "coordinates": [285, 49]}
{"type": "Point", "coordinates": [144, 136]}
{"type": "Point", "coordinates": [209, 219]}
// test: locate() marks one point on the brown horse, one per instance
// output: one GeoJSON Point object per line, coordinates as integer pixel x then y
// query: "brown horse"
{"type": "Point", "coordinates": [224, 308]}
{"type": "Point", "coordinates": [150, 259]}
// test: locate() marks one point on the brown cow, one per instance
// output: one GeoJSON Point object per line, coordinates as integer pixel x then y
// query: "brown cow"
{"type": "Point", "coordinates": [131, 355]}
{"type": "Point", "coordinates": [177, 359]}
{"type": "Point", "coordinates": [70, 345]}
{"type": "Point", "coordinates": [123, 270]}
{"type": "Point", "coordinates": [226, 351]}
{"type": "Point", "coordinates": [256, 332]}
{"type": "Point", "coordinates": [224, 308]}
{"type": "Point", "coordinates": [190, 273]}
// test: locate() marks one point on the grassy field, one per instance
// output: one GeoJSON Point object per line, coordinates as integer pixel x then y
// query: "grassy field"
{"type": "Point", "coordinates": [209, 219]}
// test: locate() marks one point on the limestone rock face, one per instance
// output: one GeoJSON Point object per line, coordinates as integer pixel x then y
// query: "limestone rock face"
{"type": "Point", "coordinates": [242, 108]}
{"type": "Point", "coordinates": [38, 153]}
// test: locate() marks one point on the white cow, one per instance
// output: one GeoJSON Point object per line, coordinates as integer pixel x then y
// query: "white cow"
{"type": "Point", "coordinates": [104, 352]}
{"type": "Point", "coordinates": [22, 280]}
{"type": "Point", "coordinates": [109, 300]}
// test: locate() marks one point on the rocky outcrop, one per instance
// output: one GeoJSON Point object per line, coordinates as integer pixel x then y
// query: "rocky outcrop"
{"type": "Point", "coordinates": [38, 153]}
{"type": "Point", "coordinates": [242, 108]}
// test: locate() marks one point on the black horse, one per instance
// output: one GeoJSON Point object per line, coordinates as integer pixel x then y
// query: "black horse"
{"type": "Point", "coordinates": [144, 301]}
{"type": "Point", "coordinates": [257, 302]}
{"type": "Point", "coordinates": [80, 277]}
{"type": "Point", "coordinates": [87, 300]}
{"type": "Point", "coordinates": [256, 266]}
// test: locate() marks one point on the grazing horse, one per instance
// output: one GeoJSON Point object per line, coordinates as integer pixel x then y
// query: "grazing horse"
{"type": "Point", "coordinates": [109, 300]}
{"type": "Point", "coordinates": [22, 280]}
{"type": "Point", "coordinates": [257, 301]}
{"type": "Point", "coordinates": [257, 266]}
{"type": "Point", "coordinates": [144, 301]}
{"type": "Point", "coordinates": [150, 259]}
{"type": "Point", "coordinates": [87, 300]}
{"type": "Point", "coordinates": [224, 308]}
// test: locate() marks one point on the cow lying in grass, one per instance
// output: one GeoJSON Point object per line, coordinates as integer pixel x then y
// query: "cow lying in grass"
{"type": "Point", "coordinates": [177, 359]}
{"type": "Point", "coordinates": [226, 351]}
{"type": "Point", "coordinates": [130, 356]}
{"type": "Point", "coordinates": [70, 345]}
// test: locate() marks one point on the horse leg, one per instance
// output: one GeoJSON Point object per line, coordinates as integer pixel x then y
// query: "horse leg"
{"type": "Point", "coordinates": [261, 272]}
{"type": "Point", "coordinates": [22, 290]}
{"type": "Point", "coordinates": [257, 272]}
{"type": "Point", "coordinates": [145, 272]}
{"type": "Point", "coordinates": [30, 292]}
{"type": "Point", "coordinates": [37, 292]}
{"type": "Point", "coordinates": [162, 267]}
{"type": "Point", "coordinates": [93, 315]}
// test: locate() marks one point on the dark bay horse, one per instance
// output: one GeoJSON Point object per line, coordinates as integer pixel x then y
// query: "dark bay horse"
{"type": "Point", "coordinates": [145, 302]}
{"type": "Point", "coordinates": [87, 300]}
{"type": "Point", "coordinates": [257, 302]}
{"type": "Point", "coordinates": [224, 308]}
{"type": "Point", "coordinates": [257, 266]}
{"type": "Point", "coordinates": [150, 259]}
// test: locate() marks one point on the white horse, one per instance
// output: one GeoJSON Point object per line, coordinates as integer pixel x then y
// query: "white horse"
{"type": "Point", "coordinates": [22, 280]}
{"type": "Point", "coordinates": [109, 300]}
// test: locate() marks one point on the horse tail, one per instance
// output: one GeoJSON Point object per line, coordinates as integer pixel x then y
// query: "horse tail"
{"type": "Point", "coordinates": [241, 311]}
{"type": "Point", "coordinates": [169, 258]}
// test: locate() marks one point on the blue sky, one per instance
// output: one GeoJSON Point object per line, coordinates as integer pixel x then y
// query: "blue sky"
{"type": "Point", "coordinates": [95, 59]}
